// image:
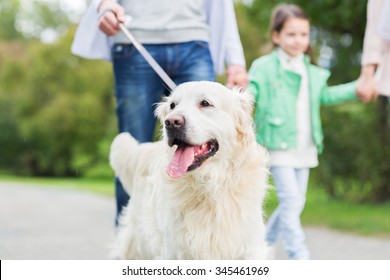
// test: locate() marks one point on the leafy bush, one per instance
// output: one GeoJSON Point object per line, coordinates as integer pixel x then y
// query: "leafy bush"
{"type": "Point", "coordinates": [355, 165]}
{"type": "Point", "coordinates": [56, 109]}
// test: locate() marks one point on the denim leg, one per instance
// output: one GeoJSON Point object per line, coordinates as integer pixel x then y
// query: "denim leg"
{"type": "Point", "coordinates": [191, 62]}
{"type": "Point", "coordinates": [137, 89]}
{"type": "Point", "coordinates": [286, 218]}
{"type": "Point", "coordinates": [272, 227]}
{"type": "Point", "coordinates": [121, 198]}
{"type": "Point", "coordinates": [302, 176]}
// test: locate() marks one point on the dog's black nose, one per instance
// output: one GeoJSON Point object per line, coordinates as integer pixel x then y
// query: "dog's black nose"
{"type": "Point", "coordinates": [174, 122]}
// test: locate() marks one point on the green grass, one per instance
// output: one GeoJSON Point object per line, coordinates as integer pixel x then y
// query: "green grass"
{"type": "Point", "coordinates": [320, 209]}
{"type": "Point", "coordinates": [101, 186]}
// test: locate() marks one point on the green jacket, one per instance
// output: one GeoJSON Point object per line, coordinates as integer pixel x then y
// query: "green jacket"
{"type": "Point", "coordinates": [276, 89]}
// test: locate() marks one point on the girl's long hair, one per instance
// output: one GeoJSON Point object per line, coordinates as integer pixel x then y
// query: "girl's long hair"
{"type": "Point", "coordinates": [283, 12]}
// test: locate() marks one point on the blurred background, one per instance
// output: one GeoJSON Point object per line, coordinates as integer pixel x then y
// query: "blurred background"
{"type": "Point", "coordinates": [57, 115]}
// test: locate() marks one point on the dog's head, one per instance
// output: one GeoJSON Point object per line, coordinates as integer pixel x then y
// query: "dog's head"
{"type": "Point", "coordinates": [206, 121]}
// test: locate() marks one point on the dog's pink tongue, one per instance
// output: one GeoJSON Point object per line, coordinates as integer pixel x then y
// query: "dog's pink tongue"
{"type": "Point", "coordinates": [180, 162]}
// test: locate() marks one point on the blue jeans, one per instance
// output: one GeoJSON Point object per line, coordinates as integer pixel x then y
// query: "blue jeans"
{"type": "Point", "coordinates": [138, 88]}
{"type": "Point", "coordinates": [291, 186]}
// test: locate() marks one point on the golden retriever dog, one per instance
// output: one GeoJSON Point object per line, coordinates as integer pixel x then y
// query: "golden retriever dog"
{"type": "Point", "coordinates": [198, 193]}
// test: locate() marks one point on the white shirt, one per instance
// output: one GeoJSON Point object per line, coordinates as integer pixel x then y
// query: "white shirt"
{"type": "Point", "coordinates": [165, 21]}
{"type": "Point", "coordinates": [305, 153]}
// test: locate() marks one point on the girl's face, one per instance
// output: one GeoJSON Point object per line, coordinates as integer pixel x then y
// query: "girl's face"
{"type": "Point", "coordinates": [294, 38]}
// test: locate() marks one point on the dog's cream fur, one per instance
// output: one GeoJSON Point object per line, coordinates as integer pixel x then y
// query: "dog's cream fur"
{"type": "Point", "coordinates": [212, 212]}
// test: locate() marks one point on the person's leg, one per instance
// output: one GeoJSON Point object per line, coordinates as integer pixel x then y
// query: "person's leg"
{"type": "Point", "coordinates": [272, 227]}
{"type": "Point", "coordinates": [302, 175]}
{"type": "Point", "coordinates": [137, 89]}
{"type": "Point", "coordinates": [290, 207]}
{"type": "Point", "coordinates": [273, 223]}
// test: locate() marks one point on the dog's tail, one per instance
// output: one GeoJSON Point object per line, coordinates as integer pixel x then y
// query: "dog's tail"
{"type": "Point", "coordinates": [122, 154]}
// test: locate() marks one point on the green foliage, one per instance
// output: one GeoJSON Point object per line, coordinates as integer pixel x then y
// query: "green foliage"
{"type": "Point", "coordinates": [58, 109]}
{"type": "Point", "coordinates": [253, 36]}
{"type": "Point", "coordinates": [8, 12]}
{"type": "Point", "coordinates": [47, 15]}
{"type": "Point", "coordinates": [355, 165]}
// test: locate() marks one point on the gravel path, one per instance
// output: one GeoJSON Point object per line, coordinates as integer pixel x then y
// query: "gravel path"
{"type": "Point", "coordinates": [53, 223]}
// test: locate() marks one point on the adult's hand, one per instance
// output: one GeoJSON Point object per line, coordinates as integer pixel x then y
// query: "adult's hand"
{"type": "Point", "coordinates": [110, 13]}
{"type": "Point", "coordinates": [366, 85]}
{"type": "Point", "coordinates": [236, 76]}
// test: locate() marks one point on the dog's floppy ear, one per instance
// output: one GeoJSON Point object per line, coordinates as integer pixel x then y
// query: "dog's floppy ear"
{"type": "Point", "coordinates": [244, 118]}
{"type": "Point", "coordinates": [161, 110]}
{"type": "Point", "coordinates": [246, 99]}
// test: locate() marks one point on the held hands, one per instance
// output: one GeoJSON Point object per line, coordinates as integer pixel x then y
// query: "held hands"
{"type": "Point", "coordinates": [236, 76]}
{"type": "Point", "coordinates": [366, 85]}
{"type": "Point", "coordinates": [109, 14]}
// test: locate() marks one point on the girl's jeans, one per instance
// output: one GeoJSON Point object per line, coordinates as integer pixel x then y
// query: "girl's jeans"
{"type": "Point", "coordinates": [291, 186]}
{"type": "Point", "coordinates": [138, 88]}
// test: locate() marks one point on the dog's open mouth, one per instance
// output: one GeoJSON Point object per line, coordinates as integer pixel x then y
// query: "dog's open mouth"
{"type": "Point", "coordinates": [189, 157]}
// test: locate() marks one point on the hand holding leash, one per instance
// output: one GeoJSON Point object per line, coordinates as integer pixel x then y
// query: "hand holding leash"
{"type": "Point", "coordinates": [110, 13]}
{"type": "Point", "coordinates": [145, 54]}
{"type": "Point", "coordinates": [112, 19]}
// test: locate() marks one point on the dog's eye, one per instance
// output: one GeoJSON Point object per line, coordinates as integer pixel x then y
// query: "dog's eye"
{"type": "Point", "coordinates": [204, 103]}
{"type": "Point", "coordinates": [172, 105]}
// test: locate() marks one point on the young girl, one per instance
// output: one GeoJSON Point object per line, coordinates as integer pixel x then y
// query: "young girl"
{"type": "Point", "coordinates": [289, 90]}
